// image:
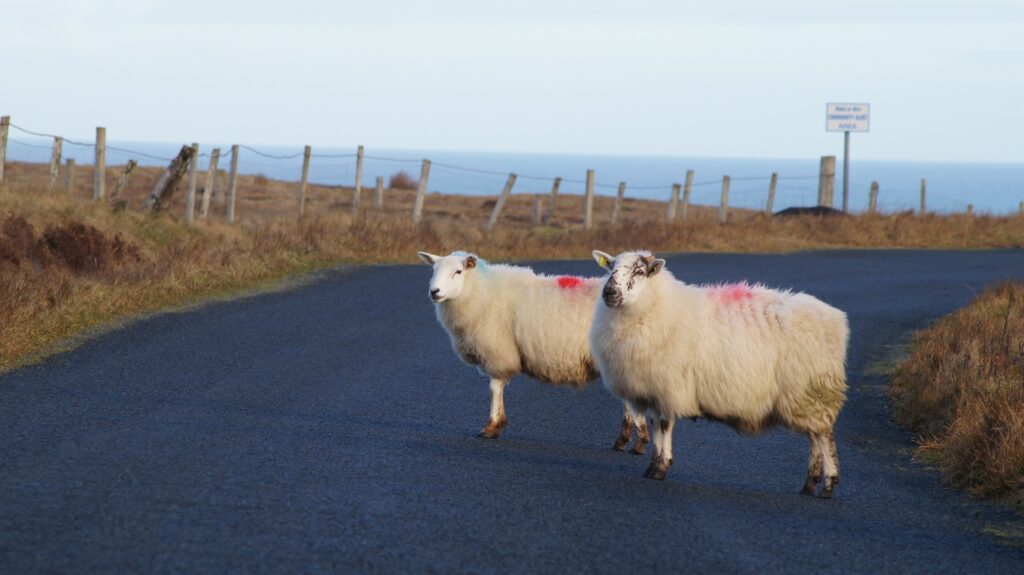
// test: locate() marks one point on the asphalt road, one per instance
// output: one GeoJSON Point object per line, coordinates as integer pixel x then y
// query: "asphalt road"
{"type": "Point", "coordinates": [331, 429]}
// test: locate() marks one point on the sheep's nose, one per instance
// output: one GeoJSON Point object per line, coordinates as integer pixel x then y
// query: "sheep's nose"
{"type": "Point", "coordinates": [434, 292]}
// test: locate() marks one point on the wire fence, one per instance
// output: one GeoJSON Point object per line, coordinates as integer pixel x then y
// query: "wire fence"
{"type": "Point", "coordinates": [278, 182]}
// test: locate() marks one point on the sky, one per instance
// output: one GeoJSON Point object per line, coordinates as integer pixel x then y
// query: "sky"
{"type": "Point", "coordinates": [722, 78]}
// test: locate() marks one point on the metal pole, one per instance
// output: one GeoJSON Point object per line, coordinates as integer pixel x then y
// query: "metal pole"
{"type": "Point", "coordinates": [846, 172]}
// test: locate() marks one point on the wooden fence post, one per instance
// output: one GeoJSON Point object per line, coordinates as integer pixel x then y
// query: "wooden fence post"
{"type": "Point", "coordinates": [359, 182]}
{"type": "Point", "coordinates": [300, 208]}
{"type": "Point", "coordinates": [873, 199]}
{"type": "Point", "coordinates": [58, 144]}
{"type": "Point", "coordinates": [5, 123]}
{"type": "Point", "coordinates": [687, 187]}
{"type": "Point", "coordinates": [99, 178]}
{"type": "Point", "coordinates": [924, 190]}
{"type": "Point", "coordinates": [421, 191]}
{"type": "Point", "coordinates": [211, 179]}
{"type": "Point", "coordinates": [970, 210]}
{"type": "Point", "coordinates": [190, 199]}
{"type": "Point", "coordinates": [588, 201]}
{"type": "Point", "coordinates": [673, 203]}
{"type": "Point", "coordinates": [379, 200]}
{"type": "Point", "coordinates": [770, 206]}
{"type": "Point", "coordinates": [826, 181]}
{"type": "Point", "coordinates": [1021, 209]}
{"type": "Point", "coordinates": [617, 211]}
{"type": "Point", "coordinates": [232, 184]}
{"type": "Point", "coordinates": [122, 182]}
{"type": "Point", "coordinates": [538, 209]}
{"type": "Point", "coordinates": [551, 205]}
{"type": "Point", "coordinates": [723, 209]}
{"type": "Point", "coordinates": [168, 182]}
{"type": "Point", "coordinates": [69, 177]}
{"type": "Point", "coordinates": [498, 205]}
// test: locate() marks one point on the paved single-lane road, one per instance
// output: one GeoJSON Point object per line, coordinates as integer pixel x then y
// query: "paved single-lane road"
{"type": "Point", "coordinates": [330, 428]}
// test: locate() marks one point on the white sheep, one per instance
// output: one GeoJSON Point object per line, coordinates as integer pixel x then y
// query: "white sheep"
{"type": "Point", "coordinates": [745, 355]}
{"type": "Point", "coordinates": [508, 320]}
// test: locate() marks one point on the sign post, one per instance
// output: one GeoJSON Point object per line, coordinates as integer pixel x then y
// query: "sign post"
{"type": "Point", "coordinates": [847, 118]}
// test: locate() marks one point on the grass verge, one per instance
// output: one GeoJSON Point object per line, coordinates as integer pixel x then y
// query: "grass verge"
{"type": "Point", "coordinates": [961, 389]}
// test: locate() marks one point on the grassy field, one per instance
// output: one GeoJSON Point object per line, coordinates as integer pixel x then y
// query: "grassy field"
{"type": "Point", "coordinates": [68, 264]}
{"type": "Point", "coordinates": [962, 391]}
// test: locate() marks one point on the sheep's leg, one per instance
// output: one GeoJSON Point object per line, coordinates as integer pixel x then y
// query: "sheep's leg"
{"type": "Point", "coordinates": [661, 458]}
{"type": "Point", "coordinates": [827, 443]}
{"type": "Point", "coordinates": [497, 420]}
{"type": "Point", "coordinates": [643, 436]}
{"type": "Point", "coordinates": [625, 432]}
{"type": "Point", "coordinates": [655, 454]}
{"type": "Point", "coordinates": [814, 466]}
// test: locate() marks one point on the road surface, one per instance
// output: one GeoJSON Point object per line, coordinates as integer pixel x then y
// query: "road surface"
{"type": "Point", "coordinates": [331, 429]}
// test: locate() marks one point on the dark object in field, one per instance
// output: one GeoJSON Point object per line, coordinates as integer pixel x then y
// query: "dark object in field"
{"type": "Point", "coordinates": [813, 211]}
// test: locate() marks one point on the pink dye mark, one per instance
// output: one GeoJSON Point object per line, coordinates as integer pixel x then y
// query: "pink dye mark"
{"type": "Point", "coordinates": [568, 282]}
{"type": "Point", "coordinates": [732, 293]}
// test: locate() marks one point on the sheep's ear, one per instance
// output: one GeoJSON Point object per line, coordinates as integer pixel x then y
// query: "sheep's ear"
{"type": "Point", "coordinates": [655, 266]}
{"type": "Point", "coordinates": [428, 258]}
{"type": "Point", "coordinates": [470, 262]}
{"type": "Point", "coordinates": [604, 260]}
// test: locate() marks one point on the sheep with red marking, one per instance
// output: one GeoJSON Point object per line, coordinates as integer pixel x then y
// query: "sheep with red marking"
{"type": "Point", "coordinates": [748, 356]}
{"type": "Point", "coordinates": [507, 320]}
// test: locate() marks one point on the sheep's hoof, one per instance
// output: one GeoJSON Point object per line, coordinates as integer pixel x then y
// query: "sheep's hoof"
{"type": "Point", "coordinates": [830, 485]}
{"type": "Point", "coordinates": [487, 433]}
{"type": "Point", "coordinates": [811, 486]}
{"type": "Point", "coordinates": [658, 468]}
{"type": "Point", "coordinates": [620, 444]}
{"type": "Point", "coordinates": [638, 449]}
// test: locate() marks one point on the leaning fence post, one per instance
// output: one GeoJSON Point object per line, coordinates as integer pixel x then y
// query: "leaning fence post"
{"type": "Point", "coordinates": [617, 211]}
{"type": "Point", "coordinates": [190, 199]}
{"type": "Point", "coordinates": [769, 207]}
{"type": "Point", "coordinates": [100, 169]}
{"type": "Point", "coordinates": [359, 182]}
{"type": "Point", "coordinates": [69, 176]}
{"type": "Point", "coordinates": [826, 180]}
{"type": "Point", "coordinates": [588, 202]}
{"type": "Point", "coordinates": [873, 198]}
{"type": "Point", "coordinates": [687, 187]}
{"type": "Point", "coordinates": [58, 144]}
{"type": "Point", "coordinates": [168, 182]}
{"type": "Point", "coordinates": [122, 182]}
{"type": "Point", "coordinates": [551, 205]}
{"type": "Point", "coordinates": [303, 182]}
{"type": "Point", "coordinates": [232, 184]}
{"type": "Point", "coordinates": [211, 177]}
{"type": "Point", "coordinates": [538, 209]}
{"type": "Point", "coordinates": [417, 208]}
{"type": "Point", "coordinates": [673, 203]}
{"type": "Point", "coordinates": [723, 209]}
{"type": "Point", "coordinates": [924, 190]}
{"type": "Point", "coordinates": [379, 199]}
{"type": "Point", "coordinates": [498, 205]}
{"type": "Point", "coordinates": [5, 123]}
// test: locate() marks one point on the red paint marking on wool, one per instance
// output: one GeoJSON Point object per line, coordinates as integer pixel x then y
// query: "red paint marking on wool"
{"type": "Point", "coordinates": [732, 293]}
{"type": "Point", "coordinates": [567, 282]}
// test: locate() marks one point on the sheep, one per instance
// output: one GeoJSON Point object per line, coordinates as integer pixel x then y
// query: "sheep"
{"type": "Point", "coordinates": [748, 356]}
{"type": "Point", "coordinates": [508, 320]}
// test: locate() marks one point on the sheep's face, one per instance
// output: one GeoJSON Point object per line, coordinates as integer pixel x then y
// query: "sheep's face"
{"type": "Point", "coordinates": [629, 274]}
{"type": "Point", "coordinates": [449, 274]}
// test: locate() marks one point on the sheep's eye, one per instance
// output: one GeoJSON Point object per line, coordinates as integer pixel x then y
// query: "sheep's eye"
{"type": "Point", "coordinates": [457, 272]}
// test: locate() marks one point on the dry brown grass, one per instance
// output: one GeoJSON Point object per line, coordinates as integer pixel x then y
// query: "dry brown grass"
{"type": "Point", "coordinates": [130, 262]}
{"type": "Point", "coordinates": [962, 391]}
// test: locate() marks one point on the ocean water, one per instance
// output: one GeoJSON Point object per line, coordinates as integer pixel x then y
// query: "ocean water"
{"type": "Point", "coordinates": [991, 187]}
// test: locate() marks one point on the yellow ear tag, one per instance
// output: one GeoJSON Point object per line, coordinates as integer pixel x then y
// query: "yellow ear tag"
{"type": "Point", "coordinates": [604, 262]}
